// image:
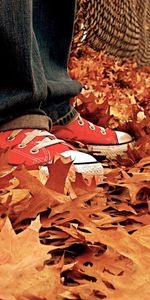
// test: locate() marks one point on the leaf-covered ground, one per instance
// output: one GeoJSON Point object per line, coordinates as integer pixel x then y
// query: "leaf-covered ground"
{"type": "Point", "coordinates": [68, 237]}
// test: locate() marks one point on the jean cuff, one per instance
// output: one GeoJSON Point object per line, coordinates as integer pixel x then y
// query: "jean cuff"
{"type": "Point", "coordinates": [28, 121]}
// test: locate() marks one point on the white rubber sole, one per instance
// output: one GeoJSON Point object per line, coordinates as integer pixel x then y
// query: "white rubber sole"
{"type": "Point", "coordinates": [108, 151]}
{"type": "Point", "coordinates": [84, 163]}
{"type": "Point", "coordinates": [92, 169]}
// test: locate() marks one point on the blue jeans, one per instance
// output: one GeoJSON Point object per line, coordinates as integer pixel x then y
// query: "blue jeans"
{"type": "Point", "coordinates": [35, 38]}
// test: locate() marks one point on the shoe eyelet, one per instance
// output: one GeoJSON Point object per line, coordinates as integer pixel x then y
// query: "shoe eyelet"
{"type": "Point", "coordinates": [91, 126]}
{"type": "Point", "coordinates": [103, 131]}
{"type": "Point", "coordinates": [34, 151]}
{"type": "Point", "coordinates": [80, 122]}
{"type": "Point", "coordinates": [10, 138]}
{"type": "Point", "coordinates": [21, 146]}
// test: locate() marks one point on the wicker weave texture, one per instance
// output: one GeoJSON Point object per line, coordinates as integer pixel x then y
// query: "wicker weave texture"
{"type": "Point", "coordinates": [121, 27]}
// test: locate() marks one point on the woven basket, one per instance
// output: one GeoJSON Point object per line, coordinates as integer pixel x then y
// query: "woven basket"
{"type": "Point", "coordinates": [121, 27]}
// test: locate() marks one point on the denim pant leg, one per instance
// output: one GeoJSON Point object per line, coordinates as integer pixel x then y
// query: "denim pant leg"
{"type": "Point", "coordinates": [22, 81]}
{"type": "Point", "coordinates": [34, 49]}
{"type": "Point", "coordinates": [53, 26]}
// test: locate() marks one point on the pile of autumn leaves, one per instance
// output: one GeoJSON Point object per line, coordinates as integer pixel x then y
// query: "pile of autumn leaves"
{"type": "Point", "coordinates": [69, 237]}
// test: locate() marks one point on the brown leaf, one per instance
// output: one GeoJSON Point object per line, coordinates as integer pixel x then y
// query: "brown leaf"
{"type": "Point", "coordinates": [41, 197]}
{"type": "Point", "coordinates": [58, 172]}
{"type": "Point", "coordinates": [22, 270]}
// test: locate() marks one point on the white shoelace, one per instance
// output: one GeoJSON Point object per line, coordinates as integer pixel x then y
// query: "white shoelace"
{"type": "Point", "coordinates": [49, 139]}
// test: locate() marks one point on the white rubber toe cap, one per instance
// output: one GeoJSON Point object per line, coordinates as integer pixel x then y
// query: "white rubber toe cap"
{"type": "Point", "coordinates": [123, 137]}
{"type": "Point", "coordinates": [79, 157]}
{"type": "Point", "coordinates": [83, 162]}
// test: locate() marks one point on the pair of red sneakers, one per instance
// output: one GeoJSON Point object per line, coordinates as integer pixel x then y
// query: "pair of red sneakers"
{"type": "Point", "coordinates": [34, 146]}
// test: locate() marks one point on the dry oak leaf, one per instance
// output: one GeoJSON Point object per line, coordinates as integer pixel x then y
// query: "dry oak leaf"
{"type": "Point", "coordinates": [41, 197]}
{"type": "Point", "coordinates": [130, 254]}
{"type": "Point", "coordinates": [134, 183]}
{"type": "Point", "coordinates": [58, 174]}
{"type": "Point", "coordinates": [22, 269]}
{"type": "Point", "coordinates": [5, 168]}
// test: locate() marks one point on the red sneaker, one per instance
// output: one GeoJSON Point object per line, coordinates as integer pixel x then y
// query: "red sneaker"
{"type": "Point", "coordinates": [34, 146]}
{"type": "Point", "coordinates": [90, 138]}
